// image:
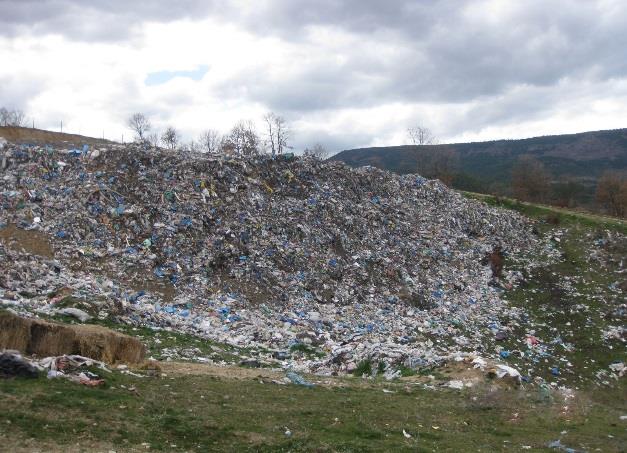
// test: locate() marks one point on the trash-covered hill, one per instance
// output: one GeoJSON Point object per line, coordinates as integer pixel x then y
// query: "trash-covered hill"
{"type": "Point", "coordinates": [268, 254]}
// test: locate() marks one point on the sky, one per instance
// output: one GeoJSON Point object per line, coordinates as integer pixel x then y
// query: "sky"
{"type": "Point", "coordinates": [344, 74]}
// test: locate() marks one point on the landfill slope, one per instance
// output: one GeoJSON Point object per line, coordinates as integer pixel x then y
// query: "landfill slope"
{"type": "Point", "coordinates": [268, 254]}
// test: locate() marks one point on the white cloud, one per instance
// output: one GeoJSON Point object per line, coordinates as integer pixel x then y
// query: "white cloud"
{"type": "Point", "coordinates": [344, 74]}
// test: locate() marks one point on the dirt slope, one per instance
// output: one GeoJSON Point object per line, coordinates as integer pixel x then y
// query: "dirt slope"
{"type": "Point", "coordinates": [39, 136]}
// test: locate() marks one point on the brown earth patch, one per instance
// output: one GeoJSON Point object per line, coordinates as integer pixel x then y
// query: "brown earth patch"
{"type": "Point", "coordinates": [29, 241]}
{"type": "Point", "coordinates": [42, 137]}
{"type": "Point", "coordinates": [42, 338]}
{"type": "Point", "coordinates": [201, 369]}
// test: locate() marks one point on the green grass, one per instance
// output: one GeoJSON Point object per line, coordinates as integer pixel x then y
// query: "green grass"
{"type": "Point", "coordinates": [541, 212]}
{"type": "Point", "coordinates": [363, 368]}
{"type": "Point", "coordinates": [200, 413]}
{"type": "Point", "coordinates": [161, 344]}
{"type": "Point", "coordinates": [571, 300]}
{"type": "Point", "coordinates": [306, 350]}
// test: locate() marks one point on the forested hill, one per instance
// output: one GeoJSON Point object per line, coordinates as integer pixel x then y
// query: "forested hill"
{"type": "Point", "coordinates": [487, 165]}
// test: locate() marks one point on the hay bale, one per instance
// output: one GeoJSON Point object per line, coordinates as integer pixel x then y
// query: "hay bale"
{"type": "Point", "coordinates": [14, 332]}
{"type": "Point", "coordinates": [42, 338]}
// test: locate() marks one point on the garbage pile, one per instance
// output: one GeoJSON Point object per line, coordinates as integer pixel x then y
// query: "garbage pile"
{"type": "Point", "coordinates": [12, 364]}
{"type": "Point", "coordinates": [276, 254]}
{"type": "Point", "coordinates": [71, 367]}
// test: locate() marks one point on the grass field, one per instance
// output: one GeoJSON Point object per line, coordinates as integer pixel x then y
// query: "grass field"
{"type": "Point", "coordinates": [204, 413]}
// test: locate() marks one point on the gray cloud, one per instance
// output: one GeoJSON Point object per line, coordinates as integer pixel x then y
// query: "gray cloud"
{"type": "Point", "coordinates": [400, 51]}
{"type": "Point", "coordinates": [95, 20]}
{"type": "Point", "coordinates": [16, 91]}
{"type": "Point", "coordinates": [445, 54]}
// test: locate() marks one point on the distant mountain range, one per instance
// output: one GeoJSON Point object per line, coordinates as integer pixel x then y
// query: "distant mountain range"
{"type": "Point", "coordinates": [487, 166]}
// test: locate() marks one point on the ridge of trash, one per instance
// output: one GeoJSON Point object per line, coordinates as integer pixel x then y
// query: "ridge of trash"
{"type": "Point", "coordinates": [259, 252]}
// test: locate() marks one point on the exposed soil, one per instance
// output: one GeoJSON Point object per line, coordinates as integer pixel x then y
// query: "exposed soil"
{"type": "Point", "coordinates": [42, 137]}
{"type": "Point", "coordinates": [41, 338]}
{"type": "Point", "coordinates": [29, 241]}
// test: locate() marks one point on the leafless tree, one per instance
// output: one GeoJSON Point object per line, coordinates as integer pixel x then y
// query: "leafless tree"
{"type": "Point", "coordinates": [18, 118]}
{"type": "Point", "coordinates": [566, 191]}
{"type": "Point", "coordinates": [193, 146]}
{"type": "Point", "coordinates": [242, 139]}
{"type": "Point", "coordinates": [420, 135]}
{"type": "Point", "coordinates": [612, 193]}
{"type": "Point", "coordinates": [444, 164]}
{"type": "Point", "coordinates": [530, 180]}
{"type": "Point", "coordinates": [13, 117]}
{"type": "Point", "coordinates": [437, 162]}
{"type": "Point", "coordinates": [153, 138]}
{"type": "Point", "coordinates": [210, 141]}
{"type": "Point", "coordinates": [318, 151]}
{"type": "Point", "coordinates": [139, 124]}
{"type": "Point", "coordinates": [277, 133]}
{"type": "Point", "coordinates": [170, 137]}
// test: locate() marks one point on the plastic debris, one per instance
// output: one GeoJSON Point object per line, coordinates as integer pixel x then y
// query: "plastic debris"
{"type": "Point", "coordinates": [12, 364]}
{"type": "Point", "coordinates": [455, 384]}
{"type": "Point", "coordinates": [69, 367]}
{"type": "Point", "coordinates": [333, 264]}
{"type": "Point", "coordinates": [557, 444]}
{"type": "Point", "coordinates": [504, 370]}
{"type": "Point", "coordinates": [298, 379]}
{"type": "Point", "coordinates": [81, 315]}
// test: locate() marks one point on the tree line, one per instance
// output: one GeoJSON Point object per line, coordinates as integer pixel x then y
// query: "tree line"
{"type": "Point", "coordinates": [243, 138]}
{"type": "Point", "coordinates": [13, 117]}
{"type": "Point", "coordinates": [530, 179]}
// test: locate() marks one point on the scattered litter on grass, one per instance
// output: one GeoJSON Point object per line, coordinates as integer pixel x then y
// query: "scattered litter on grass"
{"type": "Point", "coordinates": [298, 379]}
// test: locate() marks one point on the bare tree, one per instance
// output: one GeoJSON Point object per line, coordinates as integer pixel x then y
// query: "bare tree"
{"type": "Point", "coordinates": [318, 151]}
{"type": "Point", "coordinates": [420, 135]}
{"type": "Point", "coordinates": [139, 123]}
{"type": "Point", "coordinates": [612, 193]}
{"type": "Point", "coordinates": [437, 162]}
{"type": "Point", "coordinates": [18, 118]}
{"type": "Point", "coordinates": [277, 133]}
{"type": "Point", "coordinates": [193, 146]}
{"type": "Point", "coordinates": [210, 141]}
{"type": "Point", "coordinates": [444, 164]}
{"type": "Point", "coordinates": [13, 117]}
{"type": "Point", "coordinates": [566, 191]}
{"type": "Point", "coordinates": [153, 138]}
{"type": "Point", "coordinates": [530, 180]}
{"type": "Point", "coordinates": [242, 139]}
{"type": "Point", "coordinates": [170, 137]}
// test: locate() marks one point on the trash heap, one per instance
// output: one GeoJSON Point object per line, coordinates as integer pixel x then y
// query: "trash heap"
{"type": "Point", "coordinates": [71, 367]}
{"type": "Point", "coordinates": [277, 255]}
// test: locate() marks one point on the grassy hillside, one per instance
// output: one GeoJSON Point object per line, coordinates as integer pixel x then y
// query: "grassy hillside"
{"type": "Point", "coordinates": [486, 166]}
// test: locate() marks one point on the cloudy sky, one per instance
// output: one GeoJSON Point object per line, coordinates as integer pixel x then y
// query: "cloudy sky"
{"type": "Point", "coordinates": [343, 73]}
